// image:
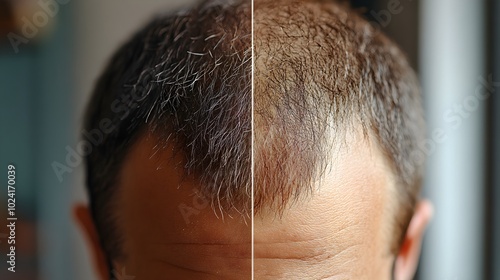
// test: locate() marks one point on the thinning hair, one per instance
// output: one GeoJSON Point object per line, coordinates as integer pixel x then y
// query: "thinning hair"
{"type": "Point", "coordinates": [186, 78]}
{"type": "Point", "coordinates": [322, 70]}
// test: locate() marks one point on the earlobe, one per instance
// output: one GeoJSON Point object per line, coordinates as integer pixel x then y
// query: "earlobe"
{"type": "Point", "coordinates": [408, 256]}
{"type": "Point", "coordinates": [83, 217]}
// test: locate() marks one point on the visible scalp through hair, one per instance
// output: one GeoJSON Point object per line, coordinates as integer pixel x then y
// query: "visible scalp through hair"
{"type": "Point", "coordinates": [321, 70]}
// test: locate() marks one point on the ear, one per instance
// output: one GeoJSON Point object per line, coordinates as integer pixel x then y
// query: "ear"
{"type": "Point", "coordinates": [407, 258]}
{"type": "Point", "coordinates": [83, 218]}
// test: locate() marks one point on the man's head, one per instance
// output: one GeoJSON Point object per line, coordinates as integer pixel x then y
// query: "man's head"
{"type": "Point", "coordinates": [336, 119]}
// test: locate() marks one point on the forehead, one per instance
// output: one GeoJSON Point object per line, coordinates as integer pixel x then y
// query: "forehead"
{"type": "Point", "coordinates": [338, 230]}
{"type": "Point", "coordinates": [167, 223]}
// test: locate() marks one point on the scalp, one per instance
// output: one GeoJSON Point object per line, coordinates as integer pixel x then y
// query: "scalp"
{"type": "Point", "coordinates": [320, 71]}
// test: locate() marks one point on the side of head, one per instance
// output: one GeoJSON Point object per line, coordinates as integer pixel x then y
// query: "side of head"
{"type": "Point", "coordinates": [171, 120]}
{"type": "Point", "coordinates": [337, 121]}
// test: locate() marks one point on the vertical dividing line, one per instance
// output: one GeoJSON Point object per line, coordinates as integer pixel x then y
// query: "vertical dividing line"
{"type": "Point", "coordinates": [252, 142]}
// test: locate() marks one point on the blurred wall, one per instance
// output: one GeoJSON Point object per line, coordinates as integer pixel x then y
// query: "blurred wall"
{"type": "Point", "coordinates": [452, 59]}
{"type": "Point", "coordinates": [36, 105]}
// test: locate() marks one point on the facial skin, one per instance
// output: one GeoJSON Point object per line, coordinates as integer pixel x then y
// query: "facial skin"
{"type": "Point", "coordinates": [338, 232]}
{"type": "Point", "coordinates": [160, 241]}
{"type": "Point", "coordinates": [341, 231]}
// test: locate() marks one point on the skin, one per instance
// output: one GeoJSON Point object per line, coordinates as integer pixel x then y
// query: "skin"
{"type": "Point", "coordinates": [192, 243]}
{"type": "Point", "coordinates": [341, 231]}
{"type": "Point", "coordinates": [338, 232]}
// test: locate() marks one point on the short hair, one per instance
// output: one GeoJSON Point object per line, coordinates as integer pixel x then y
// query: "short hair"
{"type": "Point", "coordinates": [185, 77]}
{"type": "Point", "coordinates": [320, 68]}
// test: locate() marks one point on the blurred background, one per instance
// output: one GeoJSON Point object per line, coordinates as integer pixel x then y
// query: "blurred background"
{"type": "Point", "coordinates": [51, 52]}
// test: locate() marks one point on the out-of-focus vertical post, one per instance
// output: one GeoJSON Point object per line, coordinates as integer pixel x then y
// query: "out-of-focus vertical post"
{"type": "Point", "coordinates": [453, 79]}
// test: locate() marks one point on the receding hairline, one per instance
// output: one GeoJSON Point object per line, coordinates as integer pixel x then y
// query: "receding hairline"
{"type": "Point", "coordinates": [320, 63]}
